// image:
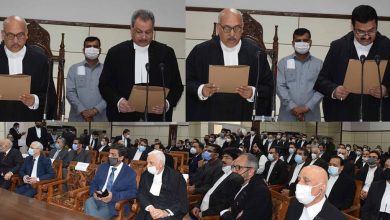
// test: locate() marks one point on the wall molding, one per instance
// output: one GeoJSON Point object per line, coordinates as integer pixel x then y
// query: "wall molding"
{"type": "Point", "coordinates": [366, 131]}
{"type": "Point", "coordinates": [279, 13]}
{"type": "Point", "coordinates": [98, 25]}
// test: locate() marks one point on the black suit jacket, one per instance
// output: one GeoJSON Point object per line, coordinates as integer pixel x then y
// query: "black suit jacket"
{"type": "Point", "coordinates": [117, 78]}
{"type": "Point", "coordinates": [328, 212]}
{"type": "Point", "coordinates": [35, 64]}
{"type": "Point", "coordinates": [292, 187]}
{"type": "Point", "coordinates": [86, 142]}
{"type": "Point", "coordinates": [325, 156]}
{"type": "Point", "coordinates": [343, 192]}
{"type": "Point", "coordinates": [299, 144]}
{"type": "Point", "coordinates": [131, 153]}
{"type": "Point", "coordinates": [222, 196]}
{"type": "Point", "coordinates": [254, 201]}
{"type": "Point", "coordinates": [279, 174]}
{"type": "Point", "coordinates": [12, 162]}
{"type": "Point", "coordinates": [292, 159]}
{"type": "Point", "coordinates": [118, 138]}
{"type": "Point", "coordinates": [264, 147]}
{"type": "Point", "coordinates": [32, 136]}
{"type": "Point", "coordinates": [362, 174]}
{"type": "Point", "coordinates": [321, 163]}
{"type": "Point", "coordinates": [359, 162]}
{"type": "Point", "coordinates": [16, 135]}
{"type": "Point", "coordinates": [219, 107]}
{"type": "Point", "coordinates": [173, 195]}
{"type": "Point", "coordinates": [333, 73]}
{"type": "Point", "coordinates": [206, 176]}
{"type": "Point", "coordinates": [371, 207]}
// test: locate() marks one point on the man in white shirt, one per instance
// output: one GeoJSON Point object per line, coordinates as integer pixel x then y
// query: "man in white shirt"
{"type": "Point", "coordinates": [18, 58]}
{"type": "Point", "coordinates": [370, 173]}
{"type": "Point", "coordinates": [311, 202]}
{"type": "Point", "coordinates": [301, 159]}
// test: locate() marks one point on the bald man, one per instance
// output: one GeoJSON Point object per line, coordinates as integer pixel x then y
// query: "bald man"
{"type": "Point", "coordinates": [10, 162]}
{"type": "Point", "coordinates": [18, 58]}
{"type": "Point", "coordinates": [204, 103]}
{"type": "Point", "coordinates": [311, 202]}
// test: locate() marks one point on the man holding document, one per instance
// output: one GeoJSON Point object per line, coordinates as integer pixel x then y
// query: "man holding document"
{"type": "Point", "coordinates": [363, 44]}
{"type": "Point", "coordinates": [140, 61]}
{"type": "Point", "coordinates": [17, 58]}
{"type": "Point", "coordinates": [209, 101]}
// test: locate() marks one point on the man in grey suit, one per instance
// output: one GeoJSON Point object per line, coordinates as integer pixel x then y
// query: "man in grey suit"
{"type": "Point", "coordinates": [82, 83]}
{"type": "Point", "coordinates": [78, 153]}
{"type": "Point", "coordinates": [297, 74]}
{"type": "Point", "coordinates": [59, 152]}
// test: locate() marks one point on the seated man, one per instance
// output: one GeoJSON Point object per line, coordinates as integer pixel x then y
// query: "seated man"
{"type": "Point", "coordinates": [206, 175]}
{"type": "Point", "coordinates": [78, 153]}
{"type": "Point", "coordinates": [35, 168]}
{"type": "Point", "coordinates": [162, 191]}
{"type": "Point", "coordinates": [10, 162]}
{"type": "Point", "coordinates": [348, 165]}
{"type": "Point", "coordinates": [341, 187]}
{"type": "Point", "coordinates": [276, 172]}
{"type": "Point", "coordinates": [377, 205]}
{"type": "Point", "coordinates": [316, 159]}
{"type": "Point", "coordinates": [59, 152]}
{"type": "Point", "coordinates": [197, 160]}
{"type": "Point", "coordinates": [139, 153]}
{"type": "Point", "coordinates": [369, 174]}
{"type": "Point", "coordinates": [311, 202]}
{"type": "Point", "coordinates": [253, 200]}
{"type": "Point", "coordinates": [168, 158]}
{"type": "Point", "coordinates": [114, 181]}
{"type": "Point", "coordinates": [222, 193]}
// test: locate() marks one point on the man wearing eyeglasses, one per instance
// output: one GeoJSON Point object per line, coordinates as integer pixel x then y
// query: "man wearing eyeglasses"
{"type": "Point", "coordinates": [125, 66]}
{"type": "Point", "coordinates": [204, 103]}
{"type": "Point", "coordinates": [364, 39]}
{"type": "Point", "coordinates": [18, 58]}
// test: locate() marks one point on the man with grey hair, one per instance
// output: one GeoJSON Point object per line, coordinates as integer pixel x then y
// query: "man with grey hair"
{"type": "Point", "coordinates": [204, 102]}
{"type": "Point", "coordinates": [162, 191]}
{"type": "Point", "coordinates": [59, 152]}
{"type": "Point", "coordinates": [18, 58]}
{"type": "Point", "coordinates": [35, 168]}
{"type": "Point", "coordinates": [10, 162]}
{"type": "Point", "coordinates": [315, 157]}
{"type": "Point", "coordinates": [140, 61]}
{"type": "Point", "coordinates": [254, 198]}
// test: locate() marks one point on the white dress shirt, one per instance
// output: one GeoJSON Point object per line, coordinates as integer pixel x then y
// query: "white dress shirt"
{"type": "Point", "coordinates": [357, 158]}
{"type": "Point", "coordinates": [369, 178]}
{"type": "Point", "coordinates": [141, 59]}
{"type": "Point", "coordinates": [35, 168]}
{"type": "Point", "coordinates": [263, 159]}
{"type": "Point", "coordinates": [38, 132]}
{"type": "Point", "coordinates": [206, 199]}
{"type": "Point", "coordinates": [297, 169]}
{"type": "Point", "coordinates": [385, 203]}
{"type": "Point", "coordinates": [156, 185]}
{"type": "Point", "coordinates": [313, 161]}
{"type": "Point", "coordinates": [124, 139]}
{"type": "Point", "coordinates": [289, 158]}
{"type": "Point", "coordinates": [331, 181]}
{"type": "Point", "coordinates": [251, 141]}
{"type": "Point", "coordinates": [116, 173]}
{"type": "Point", "coordinates": [137, 155]}
{"type": "Point", "coordinates": [271, 167]}
{"type": "Point", "coordinates": [362, 49]}
{"type": "Point", "coordinates": [311, 212]}
{"type": "Point", "coordinates": [101, 148]}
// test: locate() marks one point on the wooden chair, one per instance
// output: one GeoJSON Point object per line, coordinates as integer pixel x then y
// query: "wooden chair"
{"type": "Point", "coordinates": [180, 161]}
{"type": "Point", "coordinates": [350, 217]}
{"type": "Point", "coordinates": [46, 153]}
{"type": "Point", "coordinates": [354, 210]}
{"type": "Point", "coordinates": [40, 38]}
{"type": "Point", "coordinates": [253, 31]}
{"type": "Point", "coordinates": [212, 217]}
{"type": "Point", "coordinates": [41, 186]}
{"type": "Point", "coordinates": [78, 188]}
{"type": "Point", "coordinates": [280, 205]}
{"type": "Point", "coordinates": [93, 156]}
{"type": "Point", "coordinates": [103, 157]}
{"type": "Point", "coordinates": [186, 156]}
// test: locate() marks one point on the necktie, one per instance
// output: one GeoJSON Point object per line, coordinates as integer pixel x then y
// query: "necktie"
{"type": "Point", "coordinates": [110, 179]}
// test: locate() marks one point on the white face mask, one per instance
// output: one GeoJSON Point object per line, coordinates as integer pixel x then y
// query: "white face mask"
{"type": "Point", "coordinates": [303, 194]}
{"type": "Point", "coordinates": [342, 156]}
{"type": "Point", "coordinates": [102, 143]}
{"type": "Point", "coordinates": [91, 53]}
{"type": "Point", "coordinates": [152, 170]}
{"type": "Point", "coordinates": [226, 169]}
{"type": "Point", "coordinates": [301, 47]}
{"type": "Point", "coordinates": [313, 156]}
{"type": "Point", "coordinates": [193, 150]}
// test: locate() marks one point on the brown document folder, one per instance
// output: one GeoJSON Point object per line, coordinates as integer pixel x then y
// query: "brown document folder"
{"type": "Point", "coordinates": [138, 97]}
{"type": "Point", "coordinates": [13, 86]}
{"type": "Point", "coordinates": [352, 80]}
{"type": "Point", "coordinates": [228, 78]}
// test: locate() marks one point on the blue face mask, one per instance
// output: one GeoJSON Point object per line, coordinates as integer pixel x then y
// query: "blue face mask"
{"type": "Point", "coordinates": [291, 150]}
{"type": "Point", "coordinates": [298, 159]}
{"type": "Point", "coordinates": [141, 148]}
{"type": "Point", "coordinates": [333, 171]}
{"type": "Point", "coordinates": [30, 151]}
{"type": "Point", "coordinates": [270, 157]}
{"type": "Point", "coordinates": [206, 155]}
{"type": "Point", "coordinates": [57, 146]}
{"type": "Point", "coordinates": [74, 147]}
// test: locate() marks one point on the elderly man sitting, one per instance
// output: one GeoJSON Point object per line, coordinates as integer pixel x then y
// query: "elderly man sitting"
{"type": "Point", "coordinates": [10, 162]}
{"type": "Point", "coordinates": [162, 191]}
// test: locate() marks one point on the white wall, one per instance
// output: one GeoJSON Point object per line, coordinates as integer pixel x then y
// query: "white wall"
{"type": "Point", "coordinates": [168, 13]}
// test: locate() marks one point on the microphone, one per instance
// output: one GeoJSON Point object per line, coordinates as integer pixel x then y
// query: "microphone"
{"type": "Point", "coordinates": [362, 61]}
{"type": "Point", "coordinates": [257, 83]}
{"type": "Point", "coordinates": [162, 67]}
{"type": "Point", "coordinates": [147, 67]}
{"type": "Point", "coordinates": [50, 70]}
{"type": "Point", "coordinates": [378, 61]}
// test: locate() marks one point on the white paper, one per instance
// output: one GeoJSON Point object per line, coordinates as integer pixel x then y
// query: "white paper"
{"type": "Point", "coordinates": [291, 64]}
{"type": "Point", "coordinates": [80, 166]}
{"type": "Point", "coordinates": [186, 176]}
{"type": "Point", "coordinates": [81, 70]}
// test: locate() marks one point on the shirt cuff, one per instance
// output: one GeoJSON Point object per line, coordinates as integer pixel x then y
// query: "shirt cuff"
{"type": "Point", "coordinates": [332, 96]}
{"type": "Point", "coordinates": [37, 179]}
{"type": "Point", "coordinates": [223, 212]}
{"type": "Point", "coordinates": [170, 213]}
{"type": "Point", "coordinates": [200, 95]}
{"type": "Point", "coordinates": [117, 104]}
{"type": "Point", "coordinates": [252, 99]}
{"type": "Point", "coordinates": [147, 208]}
{"type": "Point", "coordinates": [36, 103]}
{"type": "Point", "coordinates": [167, 105]}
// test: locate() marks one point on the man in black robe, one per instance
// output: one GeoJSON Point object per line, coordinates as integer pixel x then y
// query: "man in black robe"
{"type": "Point", "coordinates": [204, 103]}
{"type": "Point", "coordinates": [365, 40]}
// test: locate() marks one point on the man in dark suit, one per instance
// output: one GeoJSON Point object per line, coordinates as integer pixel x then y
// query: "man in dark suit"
{"type": "Point", "coordinates": [270, 142]}
{"type": "Point", "coordinates": [14, 131]}
{"type": "Point", "coordinates": [162, 191]}
{"type": "Point", "coordinates": [224, 189]}
{"type": "Point", "coordinates": [348, 165]}
{"type": "Point", "coordinates": [358, 161]}
{"type": "Point", "coordinates": [91, 141]}
{"type": "Point", "coordinates": [114, 181]}
{"type": "Point", "coordinates": [370, 173]}
{"type": "Point", "coordinates": [377, 205]}
{"type": "Point", "coordinates": [38, 133]}
{"type": "Point", "coordinates": [341, 187]}
{"type": "Point", "coordinates": [311, 202]}
{"type": "Point", "coordinates": [17, 58]}
{"type": "Point", "coordinates": [125, 66]}
{"type": "Point", "coordinates": [323, 153]}
{"type": "Point", "coordinates": [139, 153]}
{"type": "Point", "coordinates": [59, 152]}
{"type": "Point", "coordinates": [289, 157]}
{"type": "Point", "coordinates": [249, 140]}
{"type": "Point", "coordinates": [303, 141]}
{"type": "Point", "coordinates": [338, 103]}
{"type": "Point", "coordinates": [204, 103]}
{"type": "Point", "coordinates": [69, 136]}
{"type": "Point", "coordinates": [275, 172]}
{"type": "Point", "coordinates": [78, 153]}
{"type": "Point", "coordinates": [10, 162]}
{"type": "Point", "coordinates": [316, 160]}
{"type": "Point", "coordinates": [35, 168]}
{"type": "Point", "coordinates": [253, 200]}
{"type": "Point", "coordinates": [125, 137]}
{"type": "Point", "coordinates": [169, 162]}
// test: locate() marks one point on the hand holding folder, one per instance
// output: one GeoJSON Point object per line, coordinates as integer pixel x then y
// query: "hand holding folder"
{"type": "Point", "coordinates": [137, 98]}
{"type": "Point", "coordinates": [228, 78]}
{"type": "Point", "coordinates": [15, 88]}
